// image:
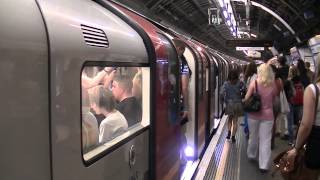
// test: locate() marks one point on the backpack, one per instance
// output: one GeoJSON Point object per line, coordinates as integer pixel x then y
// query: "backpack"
{"type": "Point", "coordinates": [297, 98]}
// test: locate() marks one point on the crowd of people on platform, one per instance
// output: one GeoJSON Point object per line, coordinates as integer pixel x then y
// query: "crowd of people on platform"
{"type": "Point", "coordinates": [288, 109]}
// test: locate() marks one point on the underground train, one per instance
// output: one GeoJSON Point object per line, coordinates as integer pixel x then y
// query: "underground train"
{"type": "Point", "coordinates": [65, 67]}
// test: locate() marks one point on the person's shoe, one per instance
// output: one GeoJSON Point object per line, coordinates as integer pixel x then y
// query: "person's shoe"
{"type": "Point", "coordinates": [233, 139]}
{"type": "Point", "coordinates": [228, 136]}
{"type": "Point", "coordinates": [264, 171]}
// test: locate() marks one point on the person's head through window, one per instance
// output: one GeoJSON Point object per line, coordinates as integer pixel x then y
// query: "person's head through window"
{"type": "Point", "coordinates": [122, 87]}
{"type": "Point", "coordinates": [180, 47]}
{"type": "Point", "coordinates": [103, 101]}
{"type": "Point", "coordinates": [137, 85]}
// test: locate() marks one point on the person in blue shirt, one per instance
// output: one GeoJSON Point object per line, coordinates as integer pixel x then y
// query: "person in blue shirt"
{"type": "Point", "coordinates": [231, 94]}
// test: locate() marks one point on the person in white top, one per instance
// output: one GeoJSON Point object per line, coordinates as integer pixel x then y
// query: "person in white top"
{"type": "Point", "coordinates": [90, 130]}
{"type": "Point", "coordinates": [309, 131]}
{"type": "Point", "coordinates": [115, 123]}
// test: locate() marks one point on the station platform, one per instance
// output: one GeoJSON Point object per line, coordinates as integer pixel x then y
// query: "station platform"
{"type": "Point", "coordinates": [224, 160]}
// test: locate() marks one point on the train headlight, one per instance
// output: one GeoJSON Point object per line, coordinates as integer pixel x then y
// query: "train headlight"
{"type": "Point", "coordinates": [189, 151]}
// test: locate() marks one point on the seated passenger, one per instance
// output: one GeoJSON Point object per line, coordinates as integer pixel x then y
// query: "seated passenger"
{"type": "Point", "coordinates": [128, 105]}
{"type": "Point", "coordinates": [89, 124]}
{"type": "Point", "coordinates": [115, 123]}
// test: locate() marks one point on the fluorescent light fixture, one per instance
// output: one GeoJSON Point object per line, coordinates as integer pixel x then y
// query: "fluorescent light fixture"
{"type": "Point", "coordinates": [221, 3]}
{"type": "Point", "coordinates": [253, 35]}
{"type": "Point", "coordinates": [228, 22]}
{"type": "Point", "coordinates": [229, 8]}
{"type": "Point", "coordinates": [225, 14]}
{"type": "Point", "coordinates": [277, 27]}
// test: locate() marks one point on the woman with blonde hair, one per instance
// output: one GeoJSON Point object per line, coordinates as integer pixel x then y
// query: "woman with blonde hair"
{"type": "Point", "coordinates": [309, 131]}
{"type": "Point", "coordinates": [261, 122]}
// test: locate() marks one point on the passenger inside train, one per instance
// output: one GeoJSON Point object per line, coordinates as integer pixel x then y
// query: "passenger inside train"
{"type": "Point", "coordinates": [111, 103]}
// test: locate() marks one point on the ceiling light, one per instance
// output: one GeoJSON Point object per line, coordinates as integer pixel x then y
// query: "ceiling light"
{"type": "Point", "coordinates": [225, 14]}
{"type": "Point", "coordinates": [221, 3]}
{"type": "Point", "coordinates": [253, 35]}
{"type": "Point", "coordinates": [228, 22]}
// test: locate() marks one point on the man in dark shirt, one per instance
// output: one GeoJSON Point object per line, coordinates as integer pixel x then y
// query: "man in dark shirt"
{"type": "Point", "coordinates": [185, 74]}
{"type": "Point", "coordinates": [128, 105]}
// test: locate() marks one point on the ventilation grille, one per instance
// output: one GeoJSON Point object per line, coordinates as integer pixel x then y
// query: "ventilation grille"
{"type": "Point", "coordinates": [94, 36]}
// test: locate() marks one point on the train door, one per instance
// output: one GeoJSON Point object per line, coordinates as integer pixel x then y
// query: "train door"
{"type": "Point", "coordinates": [96, 57]}
{"type": "Point", "coordinates": [168, 129]}
{"type": "Point", "coordinates": [206, 98]}
{"type": "Point", "coordinates": [201, 103]}
{"type": "Point", "coordinates": [211, 94]}
{"type": "Point", "coordinates": [189, 128]}
{"type": "Point", "coordinates": [216, 87]}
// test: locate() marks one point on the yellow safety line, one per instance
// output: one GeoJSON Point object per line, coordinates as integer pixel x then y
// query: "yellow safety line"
{"type": "Point", "coordinates": [223, 160]}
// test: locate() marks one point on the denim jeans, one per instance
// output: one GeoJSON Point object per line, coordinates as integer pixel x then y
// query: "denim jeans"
{"type": "Point", "coordinates": [293, 117]}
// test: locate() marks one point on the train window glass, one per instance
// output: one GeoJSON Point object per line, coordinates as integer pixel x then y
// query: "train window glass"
{"type": "Point", "coordinates": [207, 78]}
{"type": "Point", "coordinates": [172, 80]}
{"type": "Point", "coordinates": [115, 105]}
{"type": "Point", "coordinates": [200, 82]}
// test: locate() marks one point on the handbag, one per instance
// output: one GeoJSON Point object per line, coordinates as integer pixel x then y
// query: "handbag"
{"type": "Point", "coordinates": [281, 164]}
{"type": "Point", "coordinates": [284, 105]}
{"type": "Point", "coordinates": [253, 104]}
{"type": "Point", "coordinates": [281, 160]}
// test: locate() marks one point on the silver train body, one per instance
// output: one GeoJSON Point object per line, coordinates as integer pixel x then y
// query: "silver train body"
{"type": "Point", "coordinates": [43, 50]}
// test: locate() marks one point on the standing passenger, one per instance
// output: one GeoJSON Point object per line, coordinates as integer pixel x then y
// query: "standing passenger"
{"type": "Point", "coordinates": [261, 123]}
{"type": "Point", "coordinates": [303, 73]}
{"type": "Point", "coordinates": [185, 74]}
{"type": "Point", "coordinates": [128, 105]}
{"type": "Point", "coordinates": [250, 75]}
{"type": "Point", "coordinates": [310, 74]}
{"type": "Point", "coordinates": [232, 98]}
{"type": "Point", "coordinates": [115, 123]}
{"type": "Point", "coordinates": [309, 132]}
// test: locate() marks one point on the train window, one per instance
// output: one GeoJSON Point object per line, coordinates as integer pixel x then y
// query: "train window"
{"type": "Point", "coordinates": [200, 77]}
{"type": "Point", "coordinates": [172, 78]}
{"type": "Point", "coordinates": [115, 105]}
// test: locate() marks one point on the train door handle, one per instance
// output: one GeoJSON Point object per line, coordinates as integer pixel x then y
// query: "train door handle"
{"type": "Point", "coordinates": [132, 156]}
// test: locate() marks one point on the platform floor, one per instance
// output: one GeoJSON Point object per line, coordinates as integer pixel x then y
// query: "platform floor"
{"type": "Point", "coordinates": [228, 161]}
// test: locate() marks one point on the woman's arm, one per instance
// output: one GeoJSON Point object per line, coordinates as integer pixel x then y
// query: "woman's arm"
{"type": "Point", "coordinates": [250, 91]}
{"type": "Point", "coordinates": [307, 119]}
{"type": "Point", "coordinates": [306, 124]}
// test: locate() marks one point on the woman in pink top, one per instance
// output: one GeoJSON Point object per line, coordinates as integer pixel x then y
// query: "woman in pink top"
{"type": "Point", "coordinates": [261, 123]}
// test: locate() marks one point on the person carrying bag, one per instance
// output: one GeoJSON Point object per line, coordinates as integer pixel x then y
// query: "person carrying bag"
{"type": "Point", "coordinates": [303, 161]}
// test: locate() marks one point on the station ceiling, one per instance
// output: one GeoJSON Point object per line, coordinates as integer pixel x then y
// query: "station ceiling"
{"type": "Point", "coordinates": [191, 17]}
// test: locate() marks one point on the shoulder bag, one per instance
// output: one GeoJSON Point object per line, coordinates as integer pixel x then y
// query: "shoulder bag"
{"type": "Point", "coordinates": [253, 104]}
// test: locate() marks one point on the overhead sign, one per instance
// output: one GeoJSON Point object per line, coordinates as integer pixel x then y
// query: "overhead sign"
{"type": "Point", "coordinates": [249, 48]}
{"type": "Point", "coordinates": [254, 54]}
{"type": "Point", "coordinates": [249, 43]}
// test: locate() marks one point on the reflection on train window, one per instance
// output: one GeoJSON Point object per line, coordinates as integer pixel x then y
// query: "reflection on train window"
{"type": "Point", "coordinates": [115, 104]}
